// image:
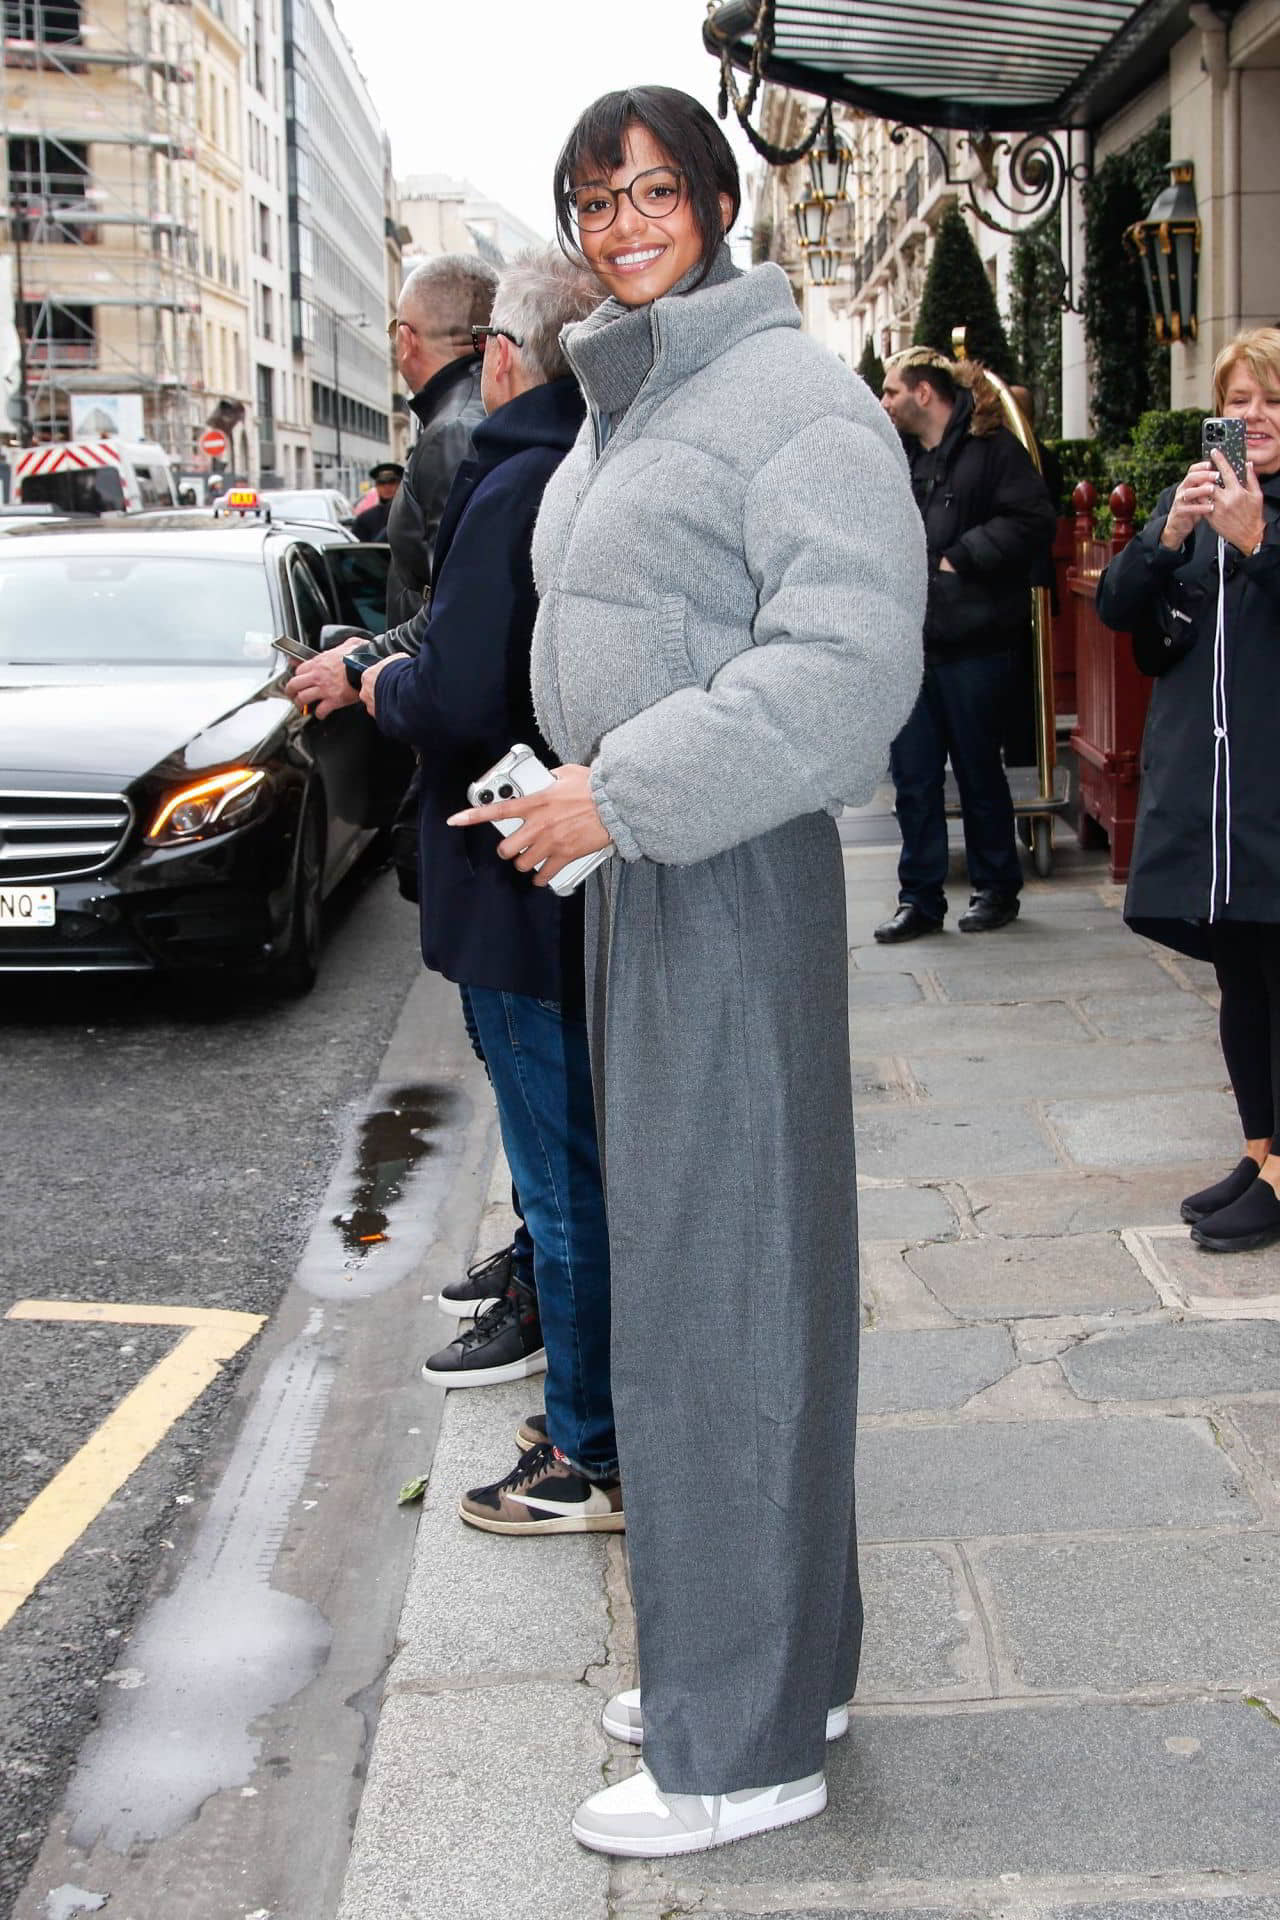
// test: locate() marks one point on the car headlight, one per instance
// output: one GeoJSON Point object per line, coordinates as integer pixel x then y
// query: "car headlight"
{"type": "Point", "coordinates": [221, 801]}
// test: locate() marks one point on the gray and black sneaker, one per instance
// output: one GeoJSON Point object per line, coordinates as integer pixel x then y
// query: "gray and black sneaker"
{"type": "Point", "coordinates": [485, 1283]}
{"type": "Point", "coordinates": [532, 1432]}
{"type": "Point", "coordinates": [543, 1493]}
{"type": "Point", "coordinates": [504, 1343]}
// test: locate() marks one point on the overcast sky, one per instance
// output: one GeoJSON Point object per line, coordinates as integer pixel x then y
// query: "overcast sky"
{"type": "Point", "coordinates": [488, 89]}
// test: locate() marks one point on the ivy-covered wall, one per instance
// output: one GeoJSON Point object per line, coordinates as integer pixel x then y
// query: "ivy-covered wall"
{"type": "Point", "coordinates": [1035, 329]}
{"type": "Point", "coordinates": [1128, 368]}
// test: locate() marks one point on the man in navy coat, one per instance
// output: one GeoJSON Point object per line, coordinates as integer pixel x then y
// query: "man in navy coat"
{"type": "Point", "coordinates": [461, 697]}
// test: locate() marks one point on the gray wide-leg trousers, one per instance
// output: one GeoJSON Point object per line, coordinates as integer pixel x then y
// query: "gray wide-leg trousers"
{"type": "Point", "coordinates": [719, 1026]}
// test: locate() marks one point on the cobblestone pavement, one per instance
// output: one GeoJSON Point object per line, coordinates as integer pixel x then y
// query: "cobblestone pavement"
{"type": "Point", "coordinates": [1069, 1487]}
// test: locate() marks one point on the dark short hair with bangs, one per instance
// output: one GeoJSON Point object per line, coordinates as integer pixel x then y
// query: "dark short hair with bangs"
{"type": "Point", "coordinates": [687, 134]}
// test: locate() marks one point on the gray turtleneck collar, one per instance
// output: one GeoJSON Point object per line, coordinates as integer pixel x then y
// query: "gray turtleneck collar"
{"type": "Point", "coordinates": [612, 350]}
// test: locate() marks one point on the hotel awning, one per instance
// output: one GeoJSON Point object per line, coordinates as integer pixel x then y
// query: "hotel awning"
{"type": "Point", "coordinates": [998, 66]}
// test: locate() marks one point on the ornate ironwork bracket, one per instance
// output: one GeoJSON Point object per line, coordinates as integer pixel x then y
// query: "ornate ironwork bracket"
{"type": "Point", "coordinates": [1037, 170]}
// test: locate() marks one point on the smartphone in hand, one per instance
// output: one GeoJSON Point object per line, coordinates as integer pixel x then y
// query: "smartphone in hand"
{"type": "Point", "coordinates": [295, 649]}
{"type": "Point", "coordinates": [1226, 437]}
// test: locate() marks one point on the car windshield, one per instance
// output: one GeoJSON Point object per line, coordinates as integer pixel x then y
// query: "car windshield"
{"type": "Point", "coordinates": [300, 506]}
{"type": "Point", "coordinates": [132, 609]}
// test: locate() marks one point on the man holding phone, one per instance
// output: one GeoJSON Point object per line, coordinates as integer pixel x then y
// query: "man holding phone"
{"type": "Point", "coordinates": [463, 700]}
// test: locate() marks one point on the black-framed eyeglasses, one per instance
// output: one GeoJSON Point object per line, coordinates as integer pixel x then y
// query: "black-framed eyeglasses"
{"type": "Point", "coordinates": [480, 334]}
{"type": "Point", "coordinates": [655, 194]}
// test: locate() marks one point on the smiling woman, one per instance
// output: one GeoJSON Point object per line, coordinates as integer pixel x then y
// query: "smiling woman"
{"type": "Point", "coordinates": [1200, 590]}
{"type": "Point", "coordinates": [731, 576]}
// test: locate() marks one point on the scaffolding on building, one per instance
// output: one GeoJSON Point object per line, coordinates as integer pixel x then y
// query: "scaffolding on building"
{"type": "Point", "coordinates": [97, 119]}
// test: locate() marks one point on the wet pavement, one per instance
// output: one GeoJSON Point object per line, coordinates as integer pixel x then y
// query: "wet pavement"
{"type": "Point", "coordinates": [167, 1146]}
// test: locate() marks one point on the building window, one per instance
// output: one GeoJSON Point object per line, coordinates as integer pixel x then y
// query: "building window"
{"type": "Point", "coordinates": [266, 395]}
{"type": "Point", "coordinates": [48, 188]}
{"type": "Point", "coordinates": [47, 20]}
{"type": "Point", "coordinates": [58, 336]}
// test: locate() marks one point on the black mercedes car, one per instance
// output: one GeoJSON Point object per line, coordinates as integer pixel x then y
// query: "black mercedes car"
{"type": "Point", "coordinates": [162, 804]}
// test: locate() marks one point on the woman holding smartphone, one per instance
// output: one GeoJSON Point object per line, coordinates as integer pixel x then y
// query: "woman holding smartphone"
{"type": "Point", "coordinates": [732, 577]}
{"type": "Point", "coordinates": [1200, 589]}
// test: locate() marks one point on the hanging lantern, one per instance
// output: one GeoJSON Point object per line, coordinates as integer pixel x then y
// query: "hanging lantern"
{"type": "Point", "coordinates": [824, 266]}
{"type": "Point", "coordinates": [1167, 244]}
{"type": "Point", "coordinates": [828, 161]}
{"type": "Point", "coordinates": [811, 218]}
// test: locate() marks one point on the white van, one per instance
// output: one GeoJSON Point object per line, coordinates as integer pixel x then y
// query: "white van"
{"type": "Point", "coordinates": [96, 476]}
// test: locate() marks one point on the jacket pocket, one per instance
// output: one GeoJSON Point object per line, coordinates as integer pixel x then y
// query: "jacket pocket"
{"type": "Point", "coordinates": [672, 613]}
{"type": "Point", "coordinates": [960, 608]}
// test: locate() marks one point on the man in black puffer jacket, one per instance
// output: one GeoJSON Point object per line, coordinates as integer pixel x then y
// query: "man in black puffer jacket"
{"type": "Point", "coordinates": [989, 524]}
{"type": "Point", "coordinates": [439, 304]}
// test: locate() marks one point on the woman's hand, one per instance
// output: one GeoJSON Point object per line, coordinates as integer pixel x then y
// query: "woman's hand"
{"type": "Point", "coordinates": [1237, 513]}
{"type": "Point", "coordinates": [1192, 503]}
{"type": "Point", "coordinates": [369, 681]}
{"type": "Point", "coordinates": [560, 824]}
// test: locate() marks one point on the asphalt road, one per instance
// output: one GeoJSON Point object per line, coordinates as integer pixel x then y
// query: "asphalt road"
{"type": "Point", "coordinates": [162, 1145]}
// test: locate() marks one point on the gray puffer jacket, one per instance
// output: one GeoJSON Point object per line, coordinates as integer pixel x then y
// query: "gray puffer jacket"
{"type": "Point", "coordinates": [732, 581]}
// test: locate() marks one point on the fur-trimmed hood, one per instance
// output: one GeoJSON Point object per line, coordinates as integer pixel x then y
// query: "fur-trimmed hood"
{"type": "Point", "coordinates": [988, 414]}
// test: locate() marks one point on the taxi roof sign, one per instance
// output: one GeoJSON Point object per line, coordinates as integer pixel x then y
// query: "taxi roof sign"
{"type": "Point", "coordinates": [241, 499]}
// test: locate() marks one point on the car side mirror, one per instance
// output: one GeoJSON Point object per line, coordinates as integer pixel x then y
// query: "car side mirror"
{"type": "Point", "coordinates": [338, 636]}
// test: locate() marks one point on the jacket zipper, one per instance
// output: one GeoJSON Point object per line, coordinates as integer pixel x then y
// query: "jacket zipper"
{"type": "Point", "coordinates": [601, 454]}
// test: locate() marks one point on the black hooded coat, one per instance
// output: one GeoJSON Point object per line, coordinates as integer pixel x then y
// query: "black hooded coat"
{"type": "Point", "coordinates": [1168, 599]}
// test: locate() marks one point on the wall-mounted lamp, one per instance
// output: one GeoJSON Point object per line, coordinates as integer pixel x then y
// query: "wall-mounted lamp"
{"type": "Point", "coordinates": [1167, 244]}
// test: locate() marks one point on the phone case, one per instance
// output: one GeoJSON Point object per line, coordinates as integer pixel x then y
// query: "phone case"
{"type": "Point", "coordinates": [519, 772]}
{"type": "Point", "coordinates": [1228, 438]}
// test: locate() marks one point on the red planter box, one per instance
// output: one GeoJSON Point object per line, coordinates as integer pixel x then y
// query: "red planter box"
{"type": "Point", "coordinates": [1111, 695]}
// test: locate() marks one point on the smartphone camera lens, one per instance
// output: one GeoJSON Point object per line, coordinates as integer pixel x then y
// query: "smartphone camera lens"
{"type": "Point", "coordinates": [506, 790]}
{"type": "Point", "coordinates": [485, 797]}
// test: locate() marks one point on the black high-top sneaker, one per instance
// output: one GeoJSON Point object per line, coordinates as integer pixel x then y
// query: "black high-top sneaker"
{"type": "Point", "coordinates": [484, 1285]}
{"type": "Point", "coordinates": [503, 1343]}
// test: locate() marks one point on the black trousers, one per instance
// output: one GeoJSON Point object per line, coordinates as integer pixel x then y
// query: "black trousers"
{"type": "Point", "coordinates": [1246, 959]}
{"type": "Point", "coordinates": [959, 715]}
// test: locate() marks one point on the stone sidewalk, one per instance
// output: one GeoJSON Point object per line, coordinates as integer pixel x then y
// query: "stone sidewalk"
{"type": "Point", "coordinates": [1069, 1490]}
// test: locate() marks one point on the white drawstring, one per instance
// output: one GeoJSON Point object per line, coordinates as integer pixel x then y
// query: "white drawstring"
{"type": "Point", "coordinates": [1221, 736]}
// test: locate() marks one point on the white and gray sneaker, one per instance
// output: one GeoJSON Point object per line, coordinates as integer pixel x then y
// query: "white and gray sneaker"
{"type": "Point", "coordinates": [638, 1819]}
{"type": "Point", "coordinates": [622, 1719]}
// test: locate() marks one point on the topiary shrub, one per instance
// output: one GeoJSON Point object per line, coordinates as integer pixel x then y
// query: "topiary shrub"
{"type": "Point", "coordinates": [1079, 460]}
{"type": "Point", "coordinates": [871, 367]}
{"type": "Point", "coordinates": [957, 293]}
{"type": "Point", "coordinates": [1163, 445]}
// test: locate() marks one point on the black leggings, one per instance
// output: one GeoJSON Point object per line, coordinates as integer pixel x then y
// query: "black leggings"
{"type": "Point", "coordinates": [1246, 959]}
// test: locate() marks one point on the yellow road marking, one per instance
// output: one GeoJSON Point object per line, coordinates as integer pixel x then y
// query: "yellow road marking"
{"type": "Point", "coordinates": [74, 1497]}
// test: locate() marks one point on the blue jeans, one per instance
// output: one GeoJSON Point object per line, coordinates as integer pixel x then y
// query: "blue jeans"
{"type": "Point", "coordinates": [537, 1060]}
{"type": "Point", "coordinates": [960, 712]}
{"type": "Point", "coordinates": [521, 1240]}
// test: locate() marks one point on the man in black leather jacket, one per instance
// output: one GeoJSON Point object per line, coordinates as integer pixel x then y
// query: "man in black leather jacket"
{"type": "Point", "coordinates": [989, 525]}
{"type": "Point", "coordinates": [439, 304]}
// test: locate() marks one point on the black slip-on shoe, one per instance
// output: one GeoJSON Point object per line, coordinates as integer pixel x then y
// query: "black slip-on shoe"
{"type": "Point", "coordinates": [1251, 1221]}
{"type": "Point", "coordinates": [484, 1285]}
{"type": "Point", "coordinates": [533, 1432]}
{"type": "Point", "coordinates": [503, 1344]}
{"type": "Point", "coordinates": [543, 1493]}
{"type": "Point", "coordinates": [908, 923]}
{"type": "Point", "coordinates": [1209, 1200]}
{"type": "Point", "coordinates": [987, 911]}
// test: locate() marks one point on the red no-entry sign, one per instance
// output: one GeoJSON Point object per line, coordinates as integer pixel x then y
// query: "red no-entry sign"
{"type": "Point", "coordinates": [213, 441]}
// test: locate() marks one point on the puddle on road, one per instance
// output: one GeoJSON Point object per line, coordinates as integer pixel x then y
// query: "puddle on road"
{"type": "Point", "coordinates": [390, 1145]}
{"type": "Point", "coordinates": [385, 1193]}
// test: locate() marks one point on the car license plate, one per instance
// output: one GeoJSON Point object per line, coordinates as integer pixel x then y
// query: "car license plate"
{"type": "Point", "coordinates": [26, 907]}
